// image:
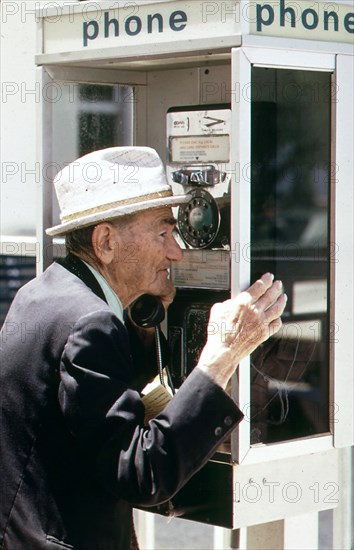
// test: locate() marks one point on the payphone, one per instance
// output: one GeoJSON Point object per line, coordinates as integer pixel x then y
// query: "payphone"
{"type": "Point", "coordinates": [198, 163]}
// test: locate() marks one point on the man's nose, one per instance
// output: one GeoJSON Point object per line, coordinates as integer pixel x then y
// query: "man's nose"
{"type": "Point", "coordinates": [175, 252]}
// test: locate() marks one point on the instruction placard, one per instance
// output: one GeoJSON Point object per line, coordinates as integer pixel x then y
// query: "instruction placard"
{"type": "Point", "coordinates": [207, 148]}
{"type": "Point", "coordinates": [203, 269]}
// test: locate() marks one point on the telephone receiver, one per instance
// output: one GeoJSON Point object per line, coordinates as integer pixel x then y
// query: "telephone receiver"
{"type": "Point", "coordinates": [147, 311]}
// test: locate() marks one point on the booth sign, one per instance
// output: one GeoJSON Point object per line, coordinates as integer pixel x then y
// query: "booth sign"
{"type": "Point", "coordinates": [88, 27]}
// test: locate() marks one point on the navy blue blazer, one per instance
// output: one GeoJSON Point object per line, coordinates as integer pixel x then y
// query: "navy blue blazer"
{"type": "Point", "coordinates": [75, 455]}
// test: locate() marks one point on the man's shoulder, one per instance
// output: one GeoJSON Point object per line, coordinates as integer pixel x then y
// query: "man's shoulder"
{"type": "Point", "coordinates": [63, 293]}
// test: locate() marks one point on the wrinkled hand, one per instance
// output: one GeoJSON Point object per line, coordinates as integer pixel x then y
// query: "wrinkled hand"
{"type": "Point", "coordinates": [237, 327]}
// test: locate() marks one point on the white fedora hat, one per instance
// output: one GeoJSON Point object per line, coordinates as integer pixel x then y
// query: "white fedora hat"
{"type": "Point", "coordinates": [109, 183]}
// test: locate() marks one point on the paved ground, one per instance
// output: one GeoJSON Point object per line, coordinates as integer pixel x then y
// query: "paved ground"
{"type": "Point", "coordinates": [181, 534]}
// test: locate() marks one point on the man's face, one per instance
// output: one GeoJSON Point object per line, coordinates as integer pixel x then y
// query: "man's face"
{"type": "Point", "coordinates": [147, 246]}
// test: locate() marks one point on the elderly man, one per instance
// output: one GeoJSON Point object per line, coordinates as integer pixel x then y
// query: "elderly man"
{"type": "Point", "coordinates": [75, 452]}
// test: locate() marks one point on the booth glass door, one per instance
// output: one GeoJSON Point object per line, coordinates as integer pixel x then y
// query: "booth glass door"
{"type": "Point", "coordinates": [290, 215]}
{"type": "Point", "coordinates": [284, 388]}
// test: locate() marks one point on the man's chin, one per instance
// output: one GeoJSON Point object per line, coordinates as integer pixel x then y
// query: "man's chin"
{"type": "Point", "coordinates": [163, 288]}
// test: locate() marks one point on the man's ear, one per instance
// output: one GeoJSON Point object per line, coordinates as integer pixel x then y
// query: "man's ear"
{"type": "Point", "coordinates": [105, 242]}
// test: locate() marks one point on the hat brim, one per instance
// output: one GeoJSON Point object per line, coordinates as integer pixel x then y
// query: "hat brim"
{"type": "Point", "coordinates": [107, 215]}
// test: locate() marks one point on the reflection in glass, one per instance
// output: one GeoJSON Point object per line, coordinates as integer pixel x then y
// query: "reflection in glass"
{"type": "Point", "coordinates": [290, 199]}
{"type": "Point", "coordinates": [85, 118]}
{"type": "Point", "coordinates": [101, 123]}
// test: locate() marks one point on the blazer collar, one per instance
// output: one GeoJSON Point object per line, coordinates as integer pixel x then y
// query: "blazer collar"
{"type": "Point", "coordinates": [77, 267]}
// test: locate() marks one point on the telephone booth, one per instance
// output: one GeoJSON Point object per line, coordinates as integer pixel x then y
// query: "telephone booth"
{"type": "Point", "coordinates": [250, 104]}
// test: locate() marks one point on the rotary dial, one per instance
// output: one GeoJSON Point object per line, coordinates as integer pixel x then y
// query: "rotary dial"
{"type": "Point", "coordinates": [199, 219]}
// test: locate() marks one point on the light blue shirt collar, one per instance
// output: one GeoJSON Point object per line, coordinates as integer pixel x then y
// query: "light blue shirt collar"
{"type": "Point", "coordinates": [112, 299]}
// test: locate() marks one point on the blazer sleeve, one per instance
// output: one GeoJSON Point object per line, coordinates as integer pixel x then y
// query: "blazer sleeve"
{"type": "Point", "coordinates": [143, 465]}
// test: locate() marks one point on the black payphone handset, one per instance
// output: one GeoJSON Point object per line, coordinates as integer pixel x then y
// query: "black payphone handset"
{"type": "Point", "coordinates": [147, 312]}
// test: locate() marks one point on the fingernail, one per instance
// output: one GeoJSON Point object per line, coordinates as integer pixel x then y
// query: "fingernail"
{"type": "Point", "coordinates": [271, 275]}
